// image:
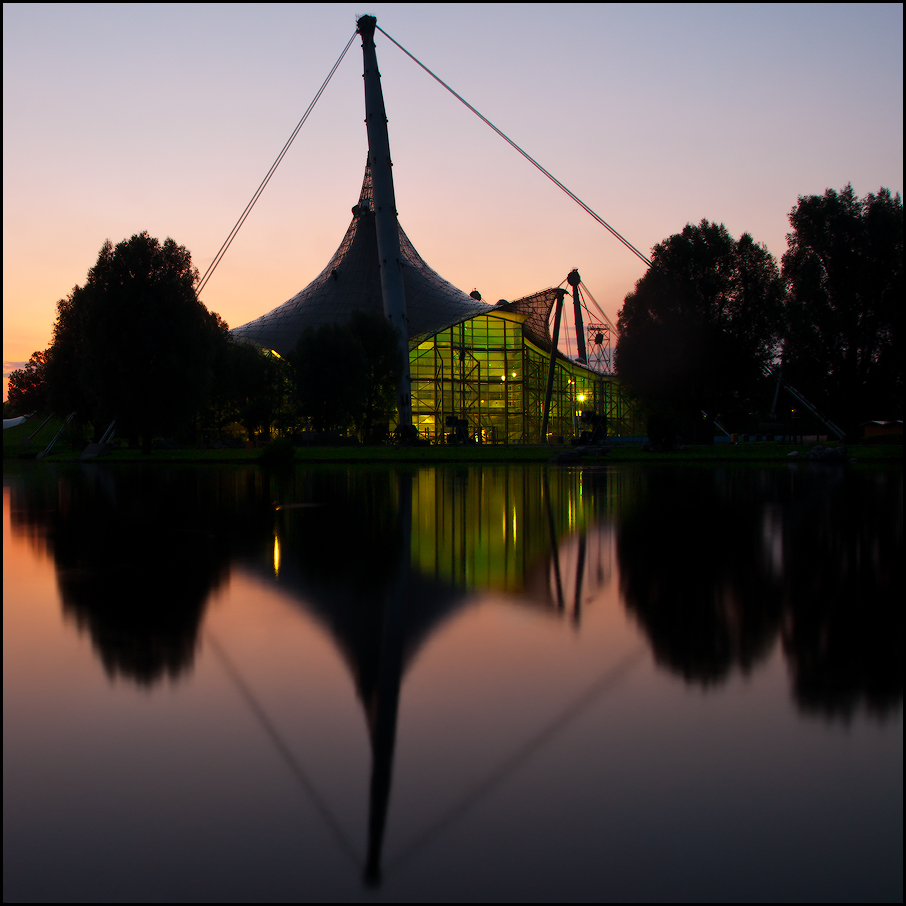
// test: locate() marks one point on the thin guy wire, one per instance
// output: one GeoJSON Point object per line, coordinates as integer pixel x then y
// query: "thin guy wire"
{"type": "Point", "coordinates": [585, 291]}
{"type": "Point", "coordinates": [248, 208]}
{"type": "Point", "coordinates": [282, 748]}
{"type": "Point", "coordinates": [527, 156]}
{"type": "Point", "coordinates": [606, 682]}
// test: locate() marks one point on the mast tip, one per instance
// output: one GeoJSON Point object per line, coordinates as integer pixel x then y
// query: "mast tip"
{"type": "Point", "coordinates": [365, 25]}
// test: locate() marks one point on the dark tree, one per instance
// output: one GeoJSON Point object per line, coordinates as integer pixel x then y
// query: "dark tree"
{"type": "Point", "coordinates": [346, 375]}
{"type": "Point", "coordinates": [330, 377]}
{"type": "Point", "coordinates": [701, 325]}
{"type": "Point", "coordinates": [135, 343]}
{"type": "Point", "coordinates": [255, 386]}
{"type": "Point", "coordinates": [377, 339]}
{"type": "Point", "coordinates": [64, 359]}
{"type": "Point", "coordinates": [27, 390]}
{"type": "Point", "coordinates": [222, 406]}
{"type": "Point", "coordinates": [843, 346]}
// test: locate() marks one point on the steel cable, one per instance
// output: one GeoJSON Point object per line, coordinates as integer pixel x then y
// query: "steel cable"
{"type": "Point", "coordinates": [248, 208]}
{"type": "Point", "coordinates": [527, 156]}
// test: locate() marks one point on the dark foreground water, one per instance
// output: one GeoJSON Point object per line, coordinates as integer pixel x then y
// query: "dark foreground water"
{"type": "Point", "coordinates": [455, 683]}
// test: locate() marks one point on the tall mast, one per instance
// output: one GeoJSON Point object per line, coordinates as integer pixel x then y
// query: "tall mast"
{"type": "Point", "coordinates": [574, 280]}
{"type": "Point", "coordinates": [388, 237]}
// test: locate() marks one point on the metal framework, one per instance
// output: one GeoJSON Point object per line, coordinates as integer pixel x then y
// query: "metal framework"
{"type": "Point", "coordinates": [478, 371]}
{"type": "Point", "coordinates": [483, 381]}
{"type": "Point", "coordinates": [599, 343]}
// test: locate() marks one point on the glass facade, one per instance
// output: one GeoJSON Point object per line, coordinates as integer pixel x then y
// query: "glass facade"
{"type": "Point", "coordinates": [484, 381]}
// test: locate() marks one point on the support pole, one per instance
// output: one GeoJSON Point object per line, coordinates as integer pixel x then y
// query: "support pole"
{"type": "Point", "coordinates": [56, 437]}
{"type": "Point", "coordinates": [800, 398]}
{"type": "Point", "coordinates": [34, 433]}
{"type": "Point", "coordinates": [574, 280]}
{"type": "Point", "coordinates": [388, 236]}
{"type": "Point", "coordinates": [550, 369]}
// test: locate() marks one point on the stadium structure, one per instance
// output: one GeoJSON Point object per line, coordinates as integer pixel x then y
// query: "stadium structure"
{"type": "Point", "coordinates": [476, 372]}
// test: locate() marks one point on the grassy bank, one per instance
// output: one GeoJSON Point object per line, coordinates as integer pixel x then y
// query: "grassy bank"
{"type": "Point", "coordinates": [68, 450]}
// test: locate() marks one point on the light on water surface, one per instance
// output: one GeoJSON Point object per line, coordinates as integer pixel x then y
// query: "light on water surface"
{"type": "Point", "coordinates": [668, 684]}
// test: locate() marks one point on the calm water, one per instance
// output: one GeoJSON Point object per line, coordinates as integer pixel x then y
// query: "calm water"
{"type": "Point", "coordinates": [454, 683]}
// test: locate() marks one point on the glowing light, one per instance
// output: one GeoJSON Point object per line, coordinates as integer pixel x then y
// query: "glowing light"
{"type": "Point", "coordinates": [276, 555]}
{"type": "Point", "coordinates": [581, 397]}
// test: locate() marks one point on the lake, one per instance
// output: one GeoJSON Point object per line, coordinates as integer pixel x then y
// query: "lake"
{"type": "Point", "coordinates": [453, 683]}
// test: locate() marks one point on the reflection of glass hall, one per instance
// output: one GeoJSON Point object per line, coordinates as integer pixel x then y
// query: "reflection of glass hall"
{"type": "Point", "coordinates": [478, 371]}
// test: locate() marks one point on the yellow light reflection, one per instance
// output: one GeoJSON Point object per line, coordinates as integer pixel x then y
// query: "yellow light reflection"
{"type": "Point", "coordinates": [276, 555]}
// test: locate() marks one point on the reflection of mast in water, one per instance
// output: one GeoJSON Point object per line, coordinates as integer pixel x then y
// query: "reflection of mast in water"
{"type": "Point", "coordinates": [382, 710]}
{"type": "Point", "coordinates": [378, 613]}
{"type": "Point", "coordinates": [381, 612]}
{"type": "Point", "coordinates": [490, 527]}
{"type": "Point", "coordinates": [578, 565]}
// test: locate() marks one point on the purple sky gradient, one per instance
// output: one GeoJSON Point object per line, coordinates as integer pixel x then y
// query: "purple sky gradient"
{"type": "Point", "coordinates": [165, 118]}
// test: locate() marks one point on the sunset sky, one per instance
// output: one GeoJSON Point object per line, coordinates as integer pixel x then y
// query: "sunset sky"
{"type": "Point", "coordinates": [166, 117]}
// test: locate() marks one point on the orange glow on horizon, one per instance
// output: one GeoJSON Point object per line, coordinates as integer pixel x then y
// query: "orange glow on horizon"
{"type": "Point", "coordinates": [649, 152]}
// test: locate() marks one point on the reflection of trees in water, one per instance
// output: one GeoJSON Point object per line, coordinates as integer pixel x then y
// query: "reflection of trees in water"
{"type": "Point", "coordinates": [715, 563]}
{"type": "Point", "coordinates": [692, 572]}
{"type": "Point", "coordinates": [138, 551]}
{"type": "Point", "coordinates": [843, 634]}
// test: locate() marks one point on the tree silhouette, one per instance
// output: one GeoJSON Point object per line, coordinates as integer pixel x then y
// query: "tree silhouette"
{"type": "Point", "coordinates": [254, 385]}
{"type": "Point", "coordinates": [134, 343]}
{"type": "Point", "coordinates": [27, 387]}
{"type": "Point", "coordinates": [701, 324]}
{"type": "Point", "coordinates": [844, 315]}
{"type": "Point", "coordinates": [347, 374]}
{"type": "Point", "coordinates": [64, 358]}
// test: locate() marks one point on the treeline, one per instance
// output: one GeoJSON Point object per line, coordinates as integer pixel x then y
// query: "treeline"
{"type": "Point", "coordinates": [135, 344]}
{"type": "Point", "coordinates": [714, 319]}
{"type": "Point", "coordinates": [702, 338]}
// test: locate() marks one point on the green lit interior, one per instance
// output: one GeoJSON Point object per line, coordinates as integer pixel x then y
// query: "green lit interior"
{"type": "Point", "coordinates": [491, 527]}
{"type": "Point", "coordinates": [488, 373]}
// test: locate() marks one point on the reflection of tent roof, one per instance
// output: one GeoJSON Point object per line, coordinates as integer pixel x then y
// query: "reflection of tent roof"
{"type": "Point", "coordinates": [352, 281]}
{"type": "Point", "coordinates": [355, 622]}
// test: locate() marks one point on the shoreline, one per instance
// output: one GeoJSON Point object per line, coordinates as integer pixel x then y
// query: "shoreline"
{"type": "Point", "coordinates": [755, 452]}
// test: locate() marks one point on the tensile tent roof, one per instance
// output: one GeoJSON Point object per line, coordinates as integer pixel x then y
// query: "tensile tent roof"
{"type": "Point", "coordinates": [351, 280]}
